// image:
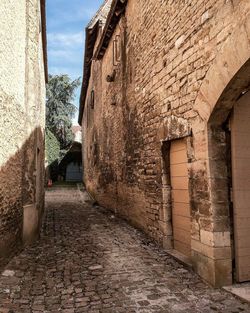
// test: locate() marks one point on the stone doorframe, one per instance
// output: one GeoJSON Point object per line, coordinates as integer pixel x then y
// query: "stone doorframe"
{"type": "Point", "coordinates": [225, 82]}
{"type": "Point", "coordinates": [172, 128]}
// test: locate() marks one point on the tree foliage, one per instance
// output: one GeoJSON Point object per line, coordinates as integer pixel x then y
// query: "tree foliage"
{"type": "Point", "coordinates": [60, 108]}
{"type": "Point", "coordinates": [52, 147]}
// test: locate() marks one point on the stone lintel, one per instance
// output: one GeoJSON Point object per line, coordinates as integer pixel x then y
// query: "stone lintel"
{"type": "Point", "coordinates": [174, 127]}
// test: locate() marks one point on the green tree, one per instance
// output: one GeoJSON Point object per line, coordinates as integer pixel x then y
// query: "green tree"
{"type": "Point", "coordinates": [52, 147]}
{"type": "Point", "coordinates": [60, 108]}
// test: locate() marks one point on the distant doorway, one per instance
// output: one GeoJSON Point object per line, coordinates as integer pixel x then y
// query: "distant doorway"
{"type": "Point", "coordinates": [74, 172]}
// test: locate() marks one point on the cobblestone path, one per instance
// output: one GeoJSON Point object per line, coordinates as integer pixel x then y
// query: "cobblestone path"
{"type": "Point", "coordinates": [89, 261]}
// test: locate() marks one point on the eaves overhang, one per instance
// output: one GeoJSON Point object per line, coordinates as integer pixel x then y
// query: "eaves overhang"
{"type": "Point", "coordinates": [90, 40]}
{"type": "Point", "coordinates": [44, 38]}
{"type": "Point", "coordinates": [117, 9]}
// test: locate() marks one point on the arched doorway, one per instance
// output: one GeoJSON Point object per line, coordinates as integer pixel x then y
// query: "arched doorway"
{"type": "Point", "coordinates": [240, 192]}
{"type": "Point", "coordinates": [226, 82]}
{"type": "Point", "coordinates": [229, 165]}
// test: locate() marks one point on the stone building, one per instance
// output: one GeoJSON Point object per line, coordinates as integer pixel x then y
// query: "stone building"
{"type": "Point", "coordinates": [23, 72]}
{"type": "Point", "coordinates": [165, 115]}
{"type": "Point", "coordinates": [77, 133]}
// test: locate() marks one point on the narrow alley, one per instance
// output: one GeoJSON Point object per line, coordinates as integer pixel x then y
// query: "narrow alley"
{"type": "Point", "coordinates": [88, 260]}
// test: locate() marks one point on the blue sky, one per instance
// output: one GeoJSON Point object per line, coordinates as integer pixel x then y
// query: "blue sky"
{"type": "Point", "coordinates": [66, 22]}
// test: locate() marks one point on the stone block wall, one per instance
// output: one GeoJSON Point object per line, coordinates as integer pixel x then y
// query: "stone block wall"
{"type": "Point", "coordinates": [22, 121]}
{"type": "Point", "coordinates": [176, 59]}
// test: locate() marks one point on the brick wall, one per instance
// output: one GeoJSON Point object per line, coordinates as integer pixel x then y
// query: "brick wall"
{"type": "Point", "coordinates": [167, 50]}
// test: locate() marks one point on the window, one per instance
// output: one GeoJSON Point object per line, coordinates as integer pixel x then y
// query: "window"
{"type": "Point", "coordinates": [92, 99]}
{"type": "Point", "coordinates": [116, 50]}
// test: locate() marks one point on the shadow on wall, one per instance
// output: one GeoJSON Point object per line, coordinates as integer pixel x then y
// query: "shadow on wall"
{"type": "Point", "coordinates": [21, 196]}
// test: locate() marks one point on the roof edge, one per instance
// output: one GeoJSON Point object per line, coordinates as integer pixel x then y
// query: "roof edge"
{"type": "Point", "coordinates": [90, 40]}
{"type": "Point", "coordinates": [44, 38]}
{"type": "Point", "coordinates": [117, 9]}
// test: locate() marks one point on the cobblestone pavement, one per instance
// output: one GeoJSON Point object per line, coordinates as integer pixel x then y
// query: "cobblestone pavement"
{"type": "Point", "coordinates": [89, 261]}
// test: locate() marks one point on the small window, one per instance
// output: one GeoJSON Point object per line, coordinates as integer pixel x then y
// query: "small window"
{"type": "Point", "coordinates": [92, 99]}
{"type": "Point", "coordinates": [116, 50]}
{"type": "Point", "coordinates": [87, 116]}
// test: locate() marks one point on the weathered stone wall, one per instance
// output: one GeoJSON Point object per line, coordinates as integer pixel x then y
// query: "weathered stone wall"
{"type": "Point", "coordinates": [22, 120]}
{"type": "Point", "coordinates": [171, 53]}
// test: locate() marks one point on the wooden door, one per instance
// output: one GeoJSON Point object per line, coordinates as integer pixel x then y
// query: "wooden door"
{"type": "Point", "coordinates": [240, 141]}
{"type": "Point", "coordinates": [181, 217]}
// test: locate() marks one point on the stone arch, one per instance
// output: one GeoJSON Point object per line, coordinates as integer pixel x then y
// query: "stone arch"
{"type": "Point", "coordinates": [225, 82]}
{"type": "Point", "coordinates": [227, 66]}
{"type": "Point", "coordinates": [227, 79]}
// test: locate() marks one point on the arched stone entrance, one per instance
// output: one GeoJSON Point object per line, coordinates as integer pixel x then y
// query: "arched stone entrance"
{"type": "Point", "coordinates": [208, 153]}
{"type": "Point", "coordinates": [219, 162]}
{"type": "Point", "coordinates": [225, 83]}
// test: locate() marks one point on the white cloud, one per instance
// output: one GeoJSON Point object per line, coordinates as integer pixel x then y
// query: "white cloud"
{"type": "Point", "coordinates": [63, 55]}
{"type": "Point", "coordinates": [67, 12]}
{"type": "Point", "coordinates": [58, 70]}
{"type": "Point", "coordinates": [65, 40]}
{"type": "Point", "coordinates": [79, 14]}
